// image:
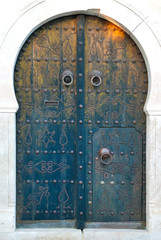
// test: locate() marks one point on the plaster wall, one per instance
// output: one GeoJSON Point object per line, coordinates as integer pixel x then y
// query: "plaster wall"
{"type": "Point", "coordinates": [140, 19]}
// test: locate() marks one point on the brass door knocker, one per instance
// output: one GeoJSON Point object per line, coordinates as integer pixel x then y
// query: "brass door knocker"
{"type": "Point", "coordinates": [105, 156]}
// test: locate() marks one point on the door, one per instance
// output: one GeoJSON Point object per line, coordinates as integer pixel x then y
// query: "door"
{"type": "Point", "coordinates": [81, 84]}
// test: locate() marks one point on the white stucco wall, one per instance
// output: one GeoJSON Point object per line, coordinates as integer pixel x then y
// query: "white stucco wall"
{"type": "Point", "coordinates": [142, 20]}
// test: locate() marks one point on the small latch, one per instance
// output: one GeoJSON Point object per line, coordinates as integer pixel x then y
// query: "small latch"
{"type": "Point", "coordinates": [51, 102]}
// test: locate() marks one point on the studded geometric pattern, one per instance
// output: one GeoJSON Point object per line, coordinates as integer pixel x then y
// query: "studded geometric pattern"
{"type": "Point", "coordinates": [62, 180]}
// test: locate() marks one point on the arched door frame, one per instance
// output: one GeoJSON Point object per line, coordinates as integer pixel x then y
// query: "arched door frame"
{"type": "Point", "coordinates": [137, 28]}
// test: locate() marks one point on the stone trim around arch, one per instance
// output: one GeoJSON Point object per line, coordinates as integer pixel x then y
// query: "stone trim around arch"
{"type": "Point", "coordinates": [41, 11]}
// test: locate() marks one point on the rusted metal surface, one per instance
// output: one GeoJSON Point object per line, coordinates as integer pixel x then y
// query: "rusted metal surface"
{"type": "Point", "coordinates": [81, 84]}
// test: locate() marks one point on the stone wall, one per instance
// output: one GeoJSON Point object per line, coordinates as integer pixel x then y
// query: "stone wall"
{"type": "Point", "coordinates": [140, 19]}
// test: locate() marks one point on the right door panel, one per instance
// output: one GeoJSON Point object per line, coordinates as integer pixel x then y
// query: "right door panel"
{"type": "Point", "coordinates": [117, 178]}
{"type": "Point", "coordinates": [115, 93]}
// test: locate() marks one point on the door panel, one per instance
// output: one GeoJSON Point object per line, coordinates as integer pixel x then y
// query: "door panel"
{"type": "Point", "coordinates": [81, 84]}
{"type": "Point", "coordinates": [117, 179]}
{"type": "Point", "coordinates": [114, 107]}
{"type": "Point", "coordinates": [46, 124]}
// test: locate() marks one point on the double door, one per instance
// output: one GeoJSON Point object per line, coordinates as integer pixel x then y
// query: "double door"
{"type": "Point", "coordinates": [81, 85]}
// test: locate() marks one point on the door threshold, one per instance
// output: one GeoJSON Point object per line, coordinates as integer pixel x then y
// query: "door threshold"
{"type": "Point", "coordinates": [116, 225]}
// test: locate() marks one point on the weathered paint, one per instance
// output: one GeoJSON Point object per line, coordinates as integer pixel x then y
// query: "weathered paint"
{"type": "Point", "coordinates": [60, 129]}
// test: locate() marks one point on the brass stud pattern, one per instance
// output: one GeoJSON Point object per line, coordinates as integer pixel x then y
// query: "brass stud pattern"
{"type": "Point", "coordinates": [89, 171]}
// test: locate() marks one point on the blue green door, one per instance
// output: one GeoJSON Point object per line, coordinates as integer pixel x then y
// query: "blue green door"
{"type": "Point", "coordinates": [81, 84]}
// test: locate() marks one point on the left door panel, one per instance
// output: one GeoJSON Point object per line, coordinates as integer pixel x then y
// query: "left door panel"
{"type": "Point", "coordinates": [46, 125]}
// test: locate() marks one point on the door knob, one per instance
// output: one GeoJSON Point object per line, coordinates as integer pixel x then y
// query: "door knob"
{"type": "Point", "coordinates": [105, 156]}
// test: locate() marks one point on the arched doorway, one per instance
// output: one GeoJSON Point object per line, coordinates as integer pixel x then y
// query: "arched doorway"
{"type": "Point", "coordinates": [81, 84]}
